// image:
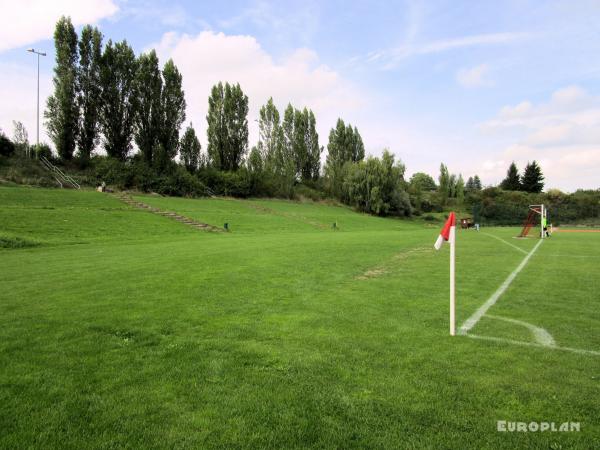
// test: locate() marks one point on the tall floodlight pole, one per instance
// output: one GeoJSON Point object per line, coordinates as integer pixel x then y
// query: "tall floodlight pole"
{"type": "Point", "coordinates": [31, 50]}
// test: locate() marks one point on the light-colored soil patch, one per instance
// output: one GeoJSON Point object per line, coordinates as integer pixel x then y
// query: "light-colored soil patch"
{"type": "Point", "coordinates": [394, 261]}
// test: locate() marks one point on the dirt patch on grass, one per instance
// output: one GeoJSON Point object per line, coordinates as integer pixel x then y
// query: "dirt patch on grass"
{"type": "Point", "coordinates": [15, 242]}
{"type": "Point", "coordinates": [393, 262]}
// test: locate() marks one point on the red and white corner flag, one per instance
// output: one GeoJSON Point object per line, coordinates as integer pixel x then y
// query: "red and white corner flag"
{"type": "Point", "coordinates": [448, 233]}
{"type": "Point", "coordinates": [445, 233]}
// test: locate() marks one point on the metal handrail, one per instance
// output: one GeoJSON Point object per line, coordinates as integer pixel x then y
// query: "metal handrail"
{"type": "Point", "coordinates": [57, 173]}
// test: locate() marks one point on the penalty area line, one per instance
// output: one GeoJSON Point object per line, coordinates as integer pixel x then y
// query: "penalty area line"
{"type": "Point", "coordinates": [477, 315]}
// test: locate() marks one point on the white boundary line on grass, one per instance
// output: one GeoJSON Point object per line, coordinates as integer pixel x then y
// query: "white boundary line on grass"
{"type": "Point", "coordinates": [542, 337]}
{"type": "Point", "coordinates": [539, 334]}
{"type": "Point", "coordinates": [477, 315]}
{"type": "Point", "coordinates": [534, 344]}
{"type": "Point", "coordinates": [506, 242]}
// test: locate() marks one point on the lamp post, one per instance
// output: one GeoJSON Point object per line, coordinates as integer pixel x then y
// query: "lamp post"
{"type": "Point", "coordinates": [31, 50]}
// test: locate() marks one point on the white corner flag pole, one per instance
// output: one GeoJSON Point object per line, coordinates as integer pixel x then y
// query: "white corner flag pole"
{"type": "Point", "coordinates": [448, 234]}
{"type": "Point", "coordinates": [452, 284]}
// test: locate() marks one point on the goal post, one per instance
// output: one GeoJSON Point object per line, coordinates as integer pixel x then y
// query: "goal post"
{"type": "Point", "coordinates": [529, 223]}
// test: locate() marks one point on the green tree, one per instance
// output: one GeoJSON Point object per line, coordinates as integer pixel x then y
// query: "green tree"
{"type": "Point", "coordinates": [62, 115]}
{"type": "Point", "coordinates": [118, 98]}
{"type": "Point", "coordinates": [299, 150]}
{"type": "Point", "coordinates": [376, 186]}
{"type": "Point", "coordinates": [452, 185]}
{"type": "Point", "coordinates": [303, 142]}
{"type": "Point", "coordinates": [173, 111]}
{"type": "Point", "coordinates": [470, 186]}
{"type": "Point", "coordinates": [460, 189]}
{"type": "Point", "coordinates": [255, 161]}
{"type": "Point", "coordinates": [269, 141]}
{"type": "Point", "coordinates": [312, 166]}
{"type": "Point", "coordinates": [20, 138]}
{"type": "Point", "coordinates": [89, 90]}
{"type": "Point", "coordinates": [217, 127]}
{"type": "Point", "coordinates": [190, 149]}
{"type": "Point", "coordinates": [345, 145]}
{"type": "Point", "coordinates": [422, 182]}
{"type": "Point", "coordinates": [533, 179]}
{"type": "Point", "coordinates": [477, 183]}
{"type": "Point", "coordinates": [149, 113]}
{"type": "Point", "coordinates": [236, 112]}
{"type": "Point", "coordinates": [227, 126]}
{"type": "Point", "coordinates": [7, 147]}
{"type": "Point", "coordinates": [276, 161]}
{"type": "Point", "coordinates": [354, 142]}
{"type": "Point", "coordinates": [512, 182]}
{"type": "Point", "coordinates": [444, 184]}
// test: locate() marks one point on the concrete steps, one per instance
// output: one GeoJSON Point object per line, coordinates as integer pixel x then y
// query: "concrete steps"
{"type": "Point", "coordinates": [125, 198]}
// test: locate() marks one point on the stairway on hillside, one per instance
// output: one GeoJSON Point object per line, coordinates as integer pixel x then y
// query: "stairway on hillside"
{"type": "Point", "coordinates": [63, 179]}
{"type": "Point", "coordinates": [126, 198]}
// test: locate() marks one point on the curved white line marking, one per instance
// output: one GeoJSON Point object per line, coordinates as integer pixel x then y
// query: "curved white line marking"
{"type": "Point", "coordinates": [477, 315]}
{"type": "Point", "coordinates": [506, 242]}
{"type": "Point", "coordinates": [539, 334]}
{"type": "Point", "coordinates": [533, 344]}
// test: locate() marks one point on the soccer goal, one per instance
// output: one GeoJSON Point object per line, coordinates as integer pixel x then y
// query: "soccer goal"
{"type": "Point", "coordinates": [531, 220]}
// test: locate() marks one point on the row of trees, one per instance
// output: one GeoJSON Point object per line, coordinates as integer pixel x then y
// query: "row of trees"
{"type": "Point", "coordinates": [107, 91]}
{"type": "Point", "coordinates": [531, 181]}
{"type": "Point", "coordinates": [104, 93]}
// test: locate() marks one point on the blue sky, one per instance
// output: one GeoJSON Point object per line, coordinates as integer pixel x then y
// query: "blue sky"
{"type": "Point", "coordinates": [472, 84]}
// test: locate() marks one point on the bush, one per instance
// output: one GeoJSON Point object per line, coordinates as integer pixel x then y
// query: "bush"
{"type": "Point", "coordinates": [7, 148]}
{"type": "Point", "coordinates": [179, 182]}
{"type": "Point", "coordinates": [235, 184]}
{"type": "Point", "coordinates": [303, 191]}
{"type": "Point", "coordinates": [43, 149]}
{"type": "Point", "coordinates": [493, 206]}
{"type": "Point", "coordinates": [113, 172]}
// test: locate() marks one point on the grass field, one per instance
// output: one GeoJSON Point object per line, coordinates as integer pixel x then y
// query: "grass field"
{"type": "Point", "coordinates": [123, 329]}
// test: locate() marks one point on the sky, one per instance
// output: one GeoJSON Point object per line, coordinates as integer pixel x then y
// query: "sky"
{"type": "Point", "coordinates": [472, 84]}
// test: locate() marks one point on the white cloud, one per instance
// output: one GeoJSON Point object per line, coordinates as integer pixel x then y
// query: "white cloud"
{"type": "Point", "coordinates": [29, 21]}
{"type": "Point", "coordinates": [391, 57]}
{"type": "Point", "coordinates": [474, 76]}
{"type": "Point", "coordinates": [282, 21]}
{"type": "Point", "coordinates": [521, 109]}
{"type": "Point", "coordinates": [569, 95]}
{"type": "Point", "coordinates": [207, 58]}
{"type": "Point", "coordinates": [562, 133]}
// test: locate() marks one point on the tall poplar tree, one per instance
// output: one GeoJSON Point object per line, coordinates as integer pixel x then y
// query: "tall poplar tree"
{"type": "Point", "coordinates": [148, 117]}
{"type": "Point", "coordinates": [89, 90]}
{"type": "Point", "coordinates": [217, 128]}
{"type": "Point", "coordinates": [227, 130]}
{"type": "Point", "coordinates": [312, 165]}
{"type": "Point", "coordinates": [345, 145]}
{"type": "Point", "coordinates": [268, 126]}
{"type": "Point", "coordinates": [62, 115]}
{"type": "Point", "coordinates": [173, 110]}
{"type": "Point", "coordinates": [444, 185]}
{"type": "Point", "coordinates": [300, 151]}
{"type": "Point", "coordinates": [236, 114]}
{"type": "Point", "coordinates": [118, 98]}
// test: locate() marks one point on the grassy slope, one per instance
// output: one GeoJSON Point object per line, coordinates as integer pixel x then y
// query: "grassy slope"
{"type": "Point", "coordinates": [152, 335]}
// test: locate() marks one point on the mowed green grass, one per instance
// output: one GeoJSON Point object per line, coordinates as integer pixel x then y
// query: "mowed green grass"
{"type": "Point", "coordinates": [123, 329]}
